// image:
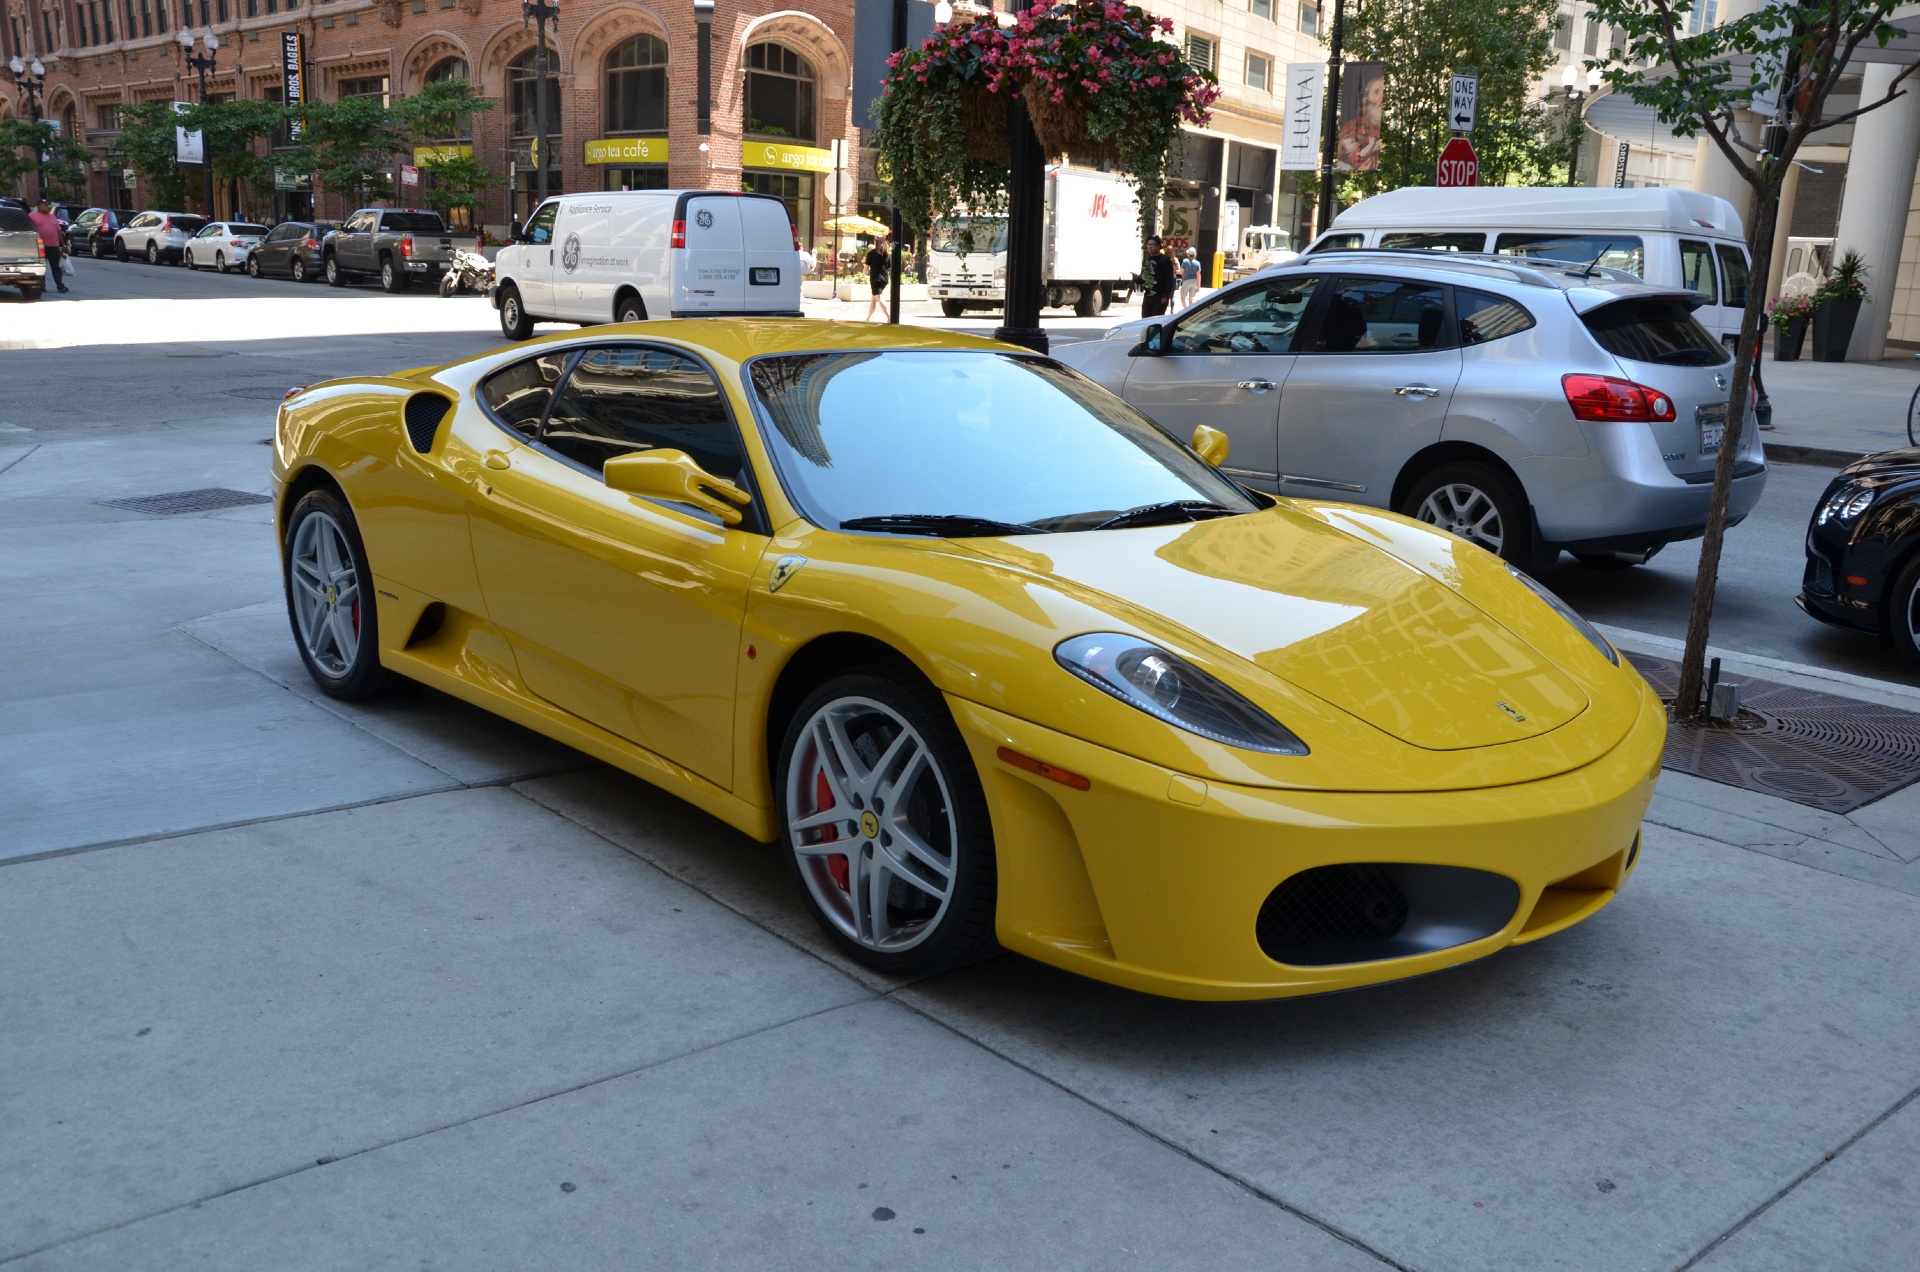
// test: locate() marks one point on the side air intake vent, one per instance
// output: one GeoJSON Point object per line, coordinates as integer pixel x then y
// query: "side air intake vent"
{"type": "Point", "coordinates": [1363, 911]}
{"type": "Point", "coordinates": [424, 413]}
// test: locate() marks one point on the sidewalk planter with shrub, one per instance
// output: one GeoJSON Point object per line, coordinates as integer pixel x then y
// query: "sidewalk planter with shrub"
{"type": "Point", "coordinates": [1789, 316]}
{"type": "Point", "coordinates": [1837, 308]}
{"type": "Point", "coordinates": [1098, 82]}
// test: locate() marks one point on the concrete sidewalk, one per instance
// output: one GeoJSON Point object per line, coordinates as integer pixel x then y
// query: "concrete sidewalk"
{"type": "Point", "coordinates": [294, 984]}
{"type": "Point", "coordinates": [1831, 412]}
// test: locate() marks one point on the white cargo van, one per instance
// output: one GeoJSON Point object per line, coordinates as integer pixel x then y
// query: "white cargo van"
{"type": "Point", "coordinates": [1675, 238]}
{"type": "Point", "coordinates": [630, 255]}
{"type": "Point", "coordinates": [1089, 256]}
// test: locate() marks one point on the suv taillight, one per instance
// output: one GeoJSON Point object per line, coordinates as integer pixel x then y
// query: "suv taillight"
{"type": "Point", "coordinates": [679, 232]}
{"type": "Point", "coordinates": [1604, 399]}
{"type": "Point", "coordinates": [406, 246]}
{"type": "Point", "coordinates": [166, 223]}
{"type": "Point", "coordinates": [312, 242]}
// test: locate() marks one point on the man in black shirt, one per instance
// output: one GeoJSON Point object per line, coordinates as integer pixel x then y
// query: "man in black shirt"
{"type": "Point", "coordinates": [1156, 279]}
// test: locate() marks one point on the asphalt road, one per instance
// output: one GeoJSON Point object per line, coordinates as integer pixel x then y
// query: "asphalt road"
{"type": "Point", "coordinates": [284, 333]}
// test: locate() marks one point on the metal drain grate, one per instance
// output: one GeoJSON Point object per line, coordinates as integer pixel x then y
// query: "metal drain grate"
{"type": "Point", "coordinates": [177, 502]}
{"type": "Point", "coordinates": [1816, 749]}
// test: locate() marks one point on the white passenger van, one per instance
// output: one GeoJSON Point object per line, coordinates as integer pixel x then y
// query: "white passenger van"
{"type": "Point", "coordinates": [1674, 238]}
{"type": "Point", "coordinates": [630, 255]}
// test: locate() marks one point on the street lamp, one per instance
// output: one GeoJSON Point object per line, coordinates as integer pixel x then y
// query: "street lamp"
{"type": "Point", "coordinates": [1576, 83]}
{"type": "Point", "coordinates": [31, 80]}
{"type": "Point", "coordinates": [540, 12]}
{"type": "Point", "coordinates": [202, 63]}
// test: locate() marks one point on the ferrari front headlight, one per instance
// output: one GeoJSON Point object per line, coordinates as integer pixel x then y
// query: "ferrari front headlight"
{"type": "Point", "coordinates": [1170, 688]}
{"type": "Point", "coordinates": [1572, 615]}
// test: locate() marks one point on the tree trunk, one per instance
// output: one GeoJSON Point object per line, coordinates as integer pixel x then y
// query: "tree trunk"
{"type": "Point", "coordinates": [1687, 699]}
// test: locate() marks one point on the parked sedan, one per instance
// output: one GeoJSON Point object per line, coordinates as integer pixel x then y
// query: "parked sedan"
{"type": "Point", "coordinates": [157, 236]}
{"type": "Point", "coordinates": [223, 245]}
{"type": "Point", "coordinates": [1863, 551]}
{"type": "Point", "coordinates": [292, 250]}
{"type": "Point", "coordinates": [1528, 407]}
{"type": "Point", "coordinates": [92, 232]}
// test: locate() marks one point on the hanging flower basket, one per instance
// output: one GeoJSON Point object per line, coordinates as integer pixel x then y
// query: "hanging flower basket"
{"type": "Point", "coordinates": [983, 118]}
{"type": "Point", "coordinates": [1062, 128]}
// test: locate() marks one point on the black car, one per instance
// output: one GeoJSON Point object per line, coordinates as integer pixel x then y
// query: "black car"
{"type": "Point", "coordinates": [291, 250]}
{"type": "Point", "coordinates": [91, 233]}
{"type": "Point", "coordinates": [1863, 551]}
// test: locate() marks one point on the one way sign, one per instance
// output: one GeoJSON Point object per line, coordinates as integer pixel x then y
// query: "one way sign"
{"type": "Point", "coordinates": [1465, 96]}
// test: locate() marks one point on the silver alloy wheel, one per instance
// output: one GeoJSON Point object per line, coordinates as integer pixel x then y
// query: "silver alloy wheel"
{"type": "Point", "coordinates": [1913, 613]}
{"type": "Point", "coordinates": [299, 270]}
{"type": "Point", "coordinates": [326, 594]}
{"type": "Point", "coordinates": [1466, 511]}
{"type": "Point", "coordinates": [870, 819]}
{"type": "Point", "coordinates": [220, 261]}
{"type": "Point", "coordinates": [153, 252]}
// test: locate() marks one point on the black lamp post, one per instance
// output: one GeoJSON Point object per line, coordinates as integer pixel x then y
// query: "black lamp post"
{"type": "Point", "coordinates": [31, 79]}
{"type": "Point", "coordinates": [540, 12]}
{"type": "Point", "coordinates": [202, 63]}
{"type": "Point", "coordinates": [1026, 227]}
{"type": "Point", "coordinates": [1577, 84]}
{"type": "Point", "coordinates": [1323, 215]}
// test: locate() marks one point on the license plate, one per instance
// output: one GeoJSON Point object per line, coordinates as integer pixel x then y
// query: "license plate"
{"type": "Point", "coordinates": [764, 276]}
{"type": "Point", "coordinates": [1713, 426]}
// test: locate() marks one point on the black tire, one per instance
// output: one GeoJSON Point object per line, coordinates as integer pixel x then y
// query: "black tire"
{"type": "Point", "coordinates": [253, 267]}
{"type": "Point", "coordinates": [952, 308]}
{"type": "Point", "coordinates": [298, 270]}
{"type": "Point", "coordinates": [392, 277]}
{"type": "Point", "coordinates": [944, 808]}
{"type": "Point", "coordinates": [1903, 612]}
{"type": "Point", "coordinates": [186, 258]}
{"type": "Point", "coordinates": [219, 262]}
{"type": "Point", "coordinates": [1475, 490]}
{"type": "Point", "coordinates": [153, 252]}
{"type": "Point", "coordinates": [119, 250]}
{"type": "Point", "coordinates": [336, 277]}
{"type": "Point", "coordinates": [361, 675]}
{"type": "Point", "coordinates": [449, 284]}
{"type": "Point", "coordinates": [30, 292]}
{"type": "Point", "coordinates": [515, 322]}
{"type": "Point", "coordinates": [99, 249]}
{"type": "Point", "coordinates": [1088, 303]}
{"type": "Point", "coordinates": [630, 309]}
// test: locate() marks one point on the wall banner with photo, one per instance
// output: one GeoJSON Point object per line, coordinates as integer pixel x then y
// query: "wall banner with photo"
{"type": "Point", "coordinates": [1363, 92]}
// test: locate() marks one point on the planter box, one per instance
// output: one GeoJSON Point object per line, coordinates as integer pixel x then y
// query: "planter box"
{"type": "Point", "coordinates": [1787, 344]}
{"type": "Point", "coordinates": [1833, 329]}
{"type": "Point", "coordinates": [816, 289]}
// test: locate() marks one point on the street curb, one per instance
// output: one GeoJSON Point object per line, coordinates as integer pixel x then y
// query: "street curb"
{"type": "Point", "coordinates": [1837, 682]}
{"type": "Point", "coordinates": [1816, 456]}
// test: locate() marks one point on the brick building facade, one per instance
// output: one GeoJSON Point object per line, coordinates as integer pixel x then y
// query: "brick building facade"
{"type": "Point", "coordinates": [622, 77]}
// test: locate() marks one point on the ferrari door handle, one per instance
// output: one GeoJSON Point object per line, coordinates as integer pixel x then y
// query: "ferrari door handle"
{"type": "Point", "coordinates": [496, 460]}
{"type": "Point", "coordinates": [1256, 386]}
{"type": "Point", "coordinates": [1417, 391]}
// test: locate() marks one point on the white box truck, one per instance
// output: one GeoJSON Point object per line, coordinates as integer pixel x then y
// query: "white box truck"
{"type": "Point", "coordinates": [1090, 257]}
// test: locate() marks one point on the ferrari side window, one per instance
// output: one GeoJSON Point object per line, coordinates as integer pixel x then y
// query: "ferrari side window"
{"type": "Point", "coordinates": [517, 396]}
{"type": "Point", "coordinates": [623, 399]}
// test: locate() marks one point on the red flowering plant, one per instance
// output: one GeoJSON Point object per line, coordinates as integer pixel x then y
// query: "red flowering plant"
{"type": "Point", "coordinates": [1100, 84]}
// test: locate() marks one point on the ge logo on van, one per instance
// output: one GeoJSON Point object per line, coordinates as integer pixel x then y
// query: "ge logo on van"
{"type": "Point", "coordinates": [703, 219]}
{"type": "Point", "coordinates": [570, 253]}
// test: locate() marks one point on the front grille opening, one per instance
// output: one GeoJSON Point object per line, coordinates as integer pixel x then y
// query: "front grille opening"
{"type": "Point", "coordinates": [1360, 912]}
{"type": "Point", "coordinates": [424, 412]}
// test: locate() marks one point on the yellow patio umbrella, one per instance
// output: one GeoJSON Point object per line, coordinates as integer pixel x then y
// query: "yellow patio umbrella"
{"type": "Point", "coordinates": [857, 225]}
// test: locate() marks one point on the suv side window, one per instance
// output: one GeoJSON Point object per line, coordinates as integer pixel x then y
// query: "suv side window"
{"type": "Point", "coordinates": [1483, 317]}
{"type": "Point", "coordinates": [282, 232]}
{"type": "Point", "coordinates": [1381, 315]}
{"type": "Point", "coordinates": [1264, 318]}
{"type": "Point", "coordinates": [623, 399]}
{"type": "Point", "coordinates": [144, 220]}
{"type": "Point", "coordinates": [517, 396]}
{"type": "Point", "coordinates": [1696, 268]}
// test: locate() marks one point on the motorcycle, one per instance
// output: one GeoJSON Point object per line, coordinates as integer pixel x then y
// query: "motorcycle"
{"type": "Point", "coordinates": [470, 272]}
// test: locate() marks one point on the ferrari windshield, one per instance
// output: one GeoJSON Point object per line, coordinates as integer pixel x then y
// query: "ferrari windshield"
{"type": "Point", "coordinates": [961, 442]}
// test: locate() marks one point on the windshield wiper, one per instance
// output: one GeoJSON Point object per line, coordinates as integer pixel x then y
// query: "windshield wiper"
{"type": "Point", "coordinates": [946, 525]}
{"type": "Point", "coordinates": [1172, 510]}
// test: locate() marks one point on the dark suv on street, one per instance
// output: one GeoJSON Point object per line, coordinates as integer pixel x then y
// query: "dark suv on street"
{"type": "Point", "coordinates": [292, 250]}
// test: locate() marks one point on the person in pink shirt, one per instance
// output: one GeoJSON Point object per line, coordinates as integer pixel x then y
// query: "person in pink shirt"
{"type": "Point", "coordinates": [43, 221]}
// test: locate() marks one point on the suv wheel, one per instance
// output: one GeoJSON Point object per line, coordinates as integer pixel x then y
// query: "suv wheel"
{"type": "Point", "coordinates": [336, 277]}
{"type": "Point", "coordinates": [119, 248]}
{"type": "Point", "coordinates": [1478, 503]}
{"type": "Point", "coordinates": [253, 267]}
{"type": "Point", "coordinates": [153, 252]}
{"type": "Point", "coordinates": [299, 270]}
{"type": "Point", "coordinates": [885, 825]}
{"type": "Point", "coordinates": [515, 322]}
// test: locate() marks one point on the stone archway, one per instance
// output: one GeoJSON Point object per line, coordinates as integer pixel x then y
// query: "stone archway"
{"type": "Point", "coordinates": [428, 52]}
{"type": "Point", "coordinates": [814, 40]}
{"type": "Point", "coordinates": [608, 28]}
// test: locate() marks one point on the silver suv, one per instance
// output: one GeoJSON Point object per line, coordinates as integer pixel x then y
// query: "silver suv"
{"type": "Point", "coordinates": [157, 236]}
{"type": "Point", "coordinates": [1528, 407]}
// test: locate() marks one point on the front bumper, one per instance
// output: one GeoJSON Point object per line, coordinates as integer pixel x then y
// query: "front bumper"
{"type": "Point", "coordinates": [966, 291]}
{"type": "Point", "coordinates": [1155, 880]}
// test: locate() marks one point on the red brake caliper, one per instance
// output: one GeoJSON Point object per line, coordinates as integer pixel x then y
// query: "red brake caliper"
{"type": "Point", "coordinates": [823, 799]}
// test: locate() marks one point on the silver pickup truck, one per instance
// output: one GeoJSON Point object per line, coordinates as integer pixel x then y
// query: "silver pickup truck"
{"type": "Point", "coordinates": [23, 263]}
{"type": "Point", "coordinates": [395, 245]}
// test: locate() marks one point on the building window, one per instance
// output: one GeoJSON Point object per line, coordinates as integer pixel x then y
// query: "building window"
{"type": "Point", "coordinates": [520, 93]}
{"type": "Point", "coordinates": [1260, 72]}
{"type": "Point", "coordinates": [636, 89]}
{"type": "Point", "coordinates": [1201, 51]}
{"type": "Point", "coordinates": [220, 10]}
{"type": "Point", "coordinates": [448, 70]}
{"type": "Point", "coordinates": [1591, 45]}
{"type": "Point", "coordinates": [1704, 17]}
{"type": "Point", "coordinates": [1563, 33]}
{"type": "Point", "coordinates": [107, 118]}
{"type": "Point", "coordinates": [160, 15]}
{"type": "Point", "coordinates": [373, 86]}
{"type": "Point", "coordinates": [779, 93]}
{"type": "Point", "coordinates": [1261, 8]}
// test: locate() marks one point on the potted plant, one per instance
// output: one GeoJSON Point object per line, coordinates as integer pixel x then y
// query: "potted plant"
{"type": "Point", "coordinates": [1790, 316]}
{"type": "Point", "coordinates": [1837, 307]}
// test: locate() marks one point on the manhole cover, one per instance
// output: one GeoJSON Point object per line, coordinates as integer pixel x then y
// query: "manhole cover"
{"type": "Point", "coordinates": [265, 392]}
{"type": "Point", "coordinates": [174, 503]}
{"type": "Point", "coordinates": [1816, 749]}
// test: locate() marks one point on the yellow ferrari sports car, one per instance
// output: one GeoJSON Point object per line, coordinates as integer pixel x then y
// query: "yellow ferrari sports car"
{"type": "Point", "coordinates": [992, 657]}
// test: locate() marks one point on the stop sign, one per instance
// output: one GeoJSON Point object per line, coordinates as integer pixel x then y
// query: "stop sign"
{"type": "Point", "coordinates": [1459, 166]}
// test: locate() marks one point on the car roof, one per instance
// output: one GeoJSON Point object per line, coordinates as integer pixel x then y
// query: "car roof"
{"type": "Point", "coordinates": [1586, 287]}
{"type": "Point", "coordinates": [1542, 207]}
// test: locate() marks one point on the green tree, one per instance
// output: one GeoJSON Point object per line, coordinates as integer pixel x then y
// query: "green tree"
{"type": "Point", "coordinates": [349, 146]}
{"type": "Point", "coordinates": [26, 146]}
{"type": "Point", "coordinates": [1798, 52]}
{"type": "Point", "coordinates": [239, 135]}
{"type": "Point", "coordinates": [441, 110]}
{"type": "Point", "coordinates": [1424, 43]}
{"type": "Point", "coordinates": [148, 146]}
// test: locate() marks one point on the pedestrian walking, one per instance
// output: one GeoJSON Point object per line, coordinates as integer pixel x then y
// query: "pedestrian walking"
{"type": "Point", "coordinates": [1156, 278]}
{"type": "Point", "coordinates": [879, 273]}
{"type": "Point", "coordinates": [1189, 277]}
{"type": "Point", "coordinates": [49, 227]}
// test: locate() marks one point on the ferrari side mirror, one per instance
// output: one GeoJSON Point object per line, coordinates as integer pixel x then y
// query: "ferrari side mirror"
{"type": "Point", "coordinates": [673, 476]}
{"type": "Point", "coordinates": [1210, 444]}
